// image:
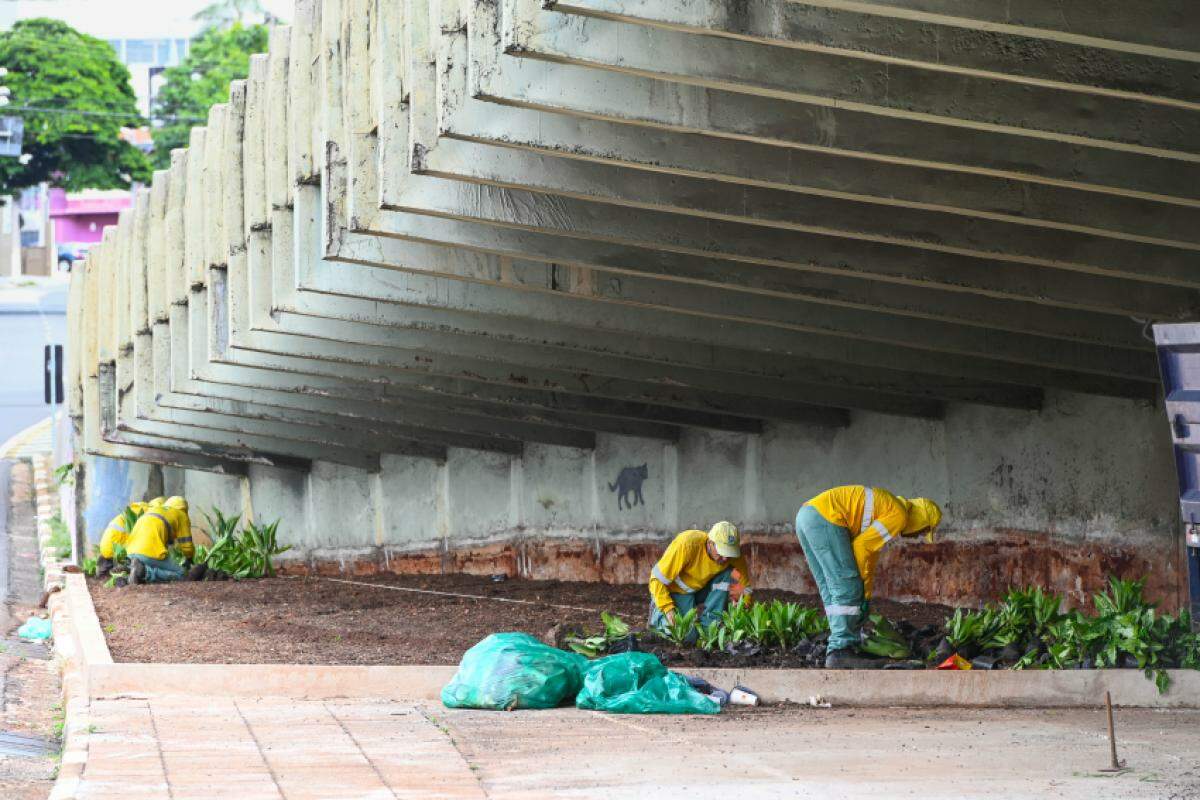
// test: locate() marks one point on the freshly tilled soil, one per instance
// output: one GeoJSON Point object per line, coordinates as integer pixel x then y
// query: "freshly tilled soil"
{"type": "Point", "coordinates": [321, 621]}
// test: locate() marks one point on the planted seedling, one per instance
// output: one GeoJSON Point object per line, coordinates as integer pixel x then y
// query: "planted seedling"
{"type": "Point", "coordinates": [709, 637]}
{"type": "Point", "coordinates": [680, 631]}
{"type": "Point", "coordinates": [885, 641]}
{"type": "Point", "coordinates": [614, 626]}
{"type": "Point", "coordinates": [590, 646]}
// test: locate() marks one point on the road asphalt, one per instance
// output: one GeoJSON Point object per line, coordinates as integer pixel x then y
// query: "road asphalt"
{"type": "Point", "coordinates": [30, 318]}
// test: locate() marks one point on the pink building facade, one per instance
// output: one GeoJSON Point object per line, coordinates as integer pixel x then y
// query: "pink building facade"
{"type": "Point", "coordinates": [79, 218]}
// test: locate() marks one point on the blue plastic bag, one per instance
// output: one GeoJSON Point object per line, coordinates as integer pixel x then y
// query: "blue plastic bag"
{"type": "Point", "coordinates": [638, 683]}
{"type": "Point", "coordinates": [514, 670]}
{"type": "Point", "coordinates": [35, 628]}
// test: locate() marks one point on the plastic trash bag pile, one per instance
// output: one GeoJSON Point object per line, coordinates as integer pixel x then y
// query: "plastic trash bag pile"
{"type": "Point", "coordinates": [36, 629]}
{"type": "Point", "coordinates": [514, 670]}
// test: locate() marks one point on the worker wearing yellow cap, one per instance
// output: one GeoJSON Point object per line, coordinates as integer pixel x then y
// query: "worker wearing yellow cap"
{"type": "Point", "coordinates": [156, 530]}
{"type": "Point", "coordinates": [117, 533]}
{"type": "Point", "coordinates": [843, 532]}
{"type": "Point", "coordinates": [696, 572]}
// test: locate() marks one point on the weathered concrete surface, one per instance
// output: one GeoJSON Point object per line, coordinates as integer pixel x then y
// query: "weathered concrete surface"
{"type": "Point", "coordinates": [815, 753]}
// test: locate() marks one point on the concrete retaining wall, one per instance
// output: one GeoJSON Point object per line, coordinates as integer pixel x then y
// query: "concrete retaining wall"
{"type": "Point", "coordinates": [1060, 498]}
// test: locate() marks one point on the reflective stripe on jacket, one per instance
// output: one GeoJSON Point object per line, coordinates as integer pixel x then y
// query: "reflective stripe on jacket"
{"type": "Point", "coordinates": [685, 568]}
{"type": "Point", "coordinates": [873, 516]}
{"type": "Point", "coordinates": [116, 533]}
{"type": "Point", "coordinates": [159, 528]}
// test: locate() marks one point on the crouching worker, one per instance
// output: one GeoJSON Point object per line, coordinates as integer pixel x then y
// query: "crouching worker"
{"type": "Point", "coordinates": [117, 533]}
{"type": "Point", "coordinates": [156, 530]}
{"type": "Point", "coordinates": [695, 572]}
{"type": "Point", "coordinates": [843, 532]}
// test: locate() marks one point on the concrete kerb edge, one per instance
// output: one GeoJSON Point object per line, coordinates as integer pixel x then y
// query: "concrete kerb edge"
{"type": "Point", "coordinates": [69, 653]}
{"type": "Point", "coordinates": [90, 673]}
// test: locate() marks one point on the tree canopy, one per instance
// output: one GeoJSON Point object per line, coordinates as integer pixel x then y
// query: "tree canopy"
{"type": "Point", "coordinates": [224, 13]}
{"type": "Point", "coordinates": [200, 81]}
{"type": "Point", "coordinates": [74, 96]}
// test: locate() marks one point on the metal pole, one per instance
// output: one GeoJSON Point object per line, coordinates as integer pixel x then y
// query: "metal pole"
{"type": "Point", "coordinates": [1114, 765]}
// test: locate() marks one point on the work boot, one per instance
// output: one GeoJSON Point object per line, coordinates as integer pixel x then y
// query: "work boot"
{"type": "Point", "coordinates": [197, 572]}
{"type": "Point", "coordinates": [137, 572]}
{"type": "Point", "coordinates": [848, 659]}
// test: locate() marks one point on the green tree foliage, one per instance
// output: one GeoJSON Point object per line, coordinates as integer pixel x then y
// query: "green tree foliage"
{"type": "Point", "coordinates": [200, 81]}
{"type": "Point", "coordinates": [75, 143]}
{"type": "Point", "coordinates": [224, 13]}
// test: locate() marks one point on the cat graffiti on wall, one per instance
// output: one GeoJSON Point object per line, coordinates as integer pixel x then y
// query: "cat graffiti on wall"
{"type": "Point", "coordinates": [630, 481]}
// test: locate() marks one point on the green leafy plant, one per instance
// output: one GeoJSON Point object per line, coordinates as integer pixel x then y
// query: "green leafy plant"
{"type": "Point", "coordinates": [130, 517]}
{"type": "Point", "coordinates": [60, 536]}
{"type": "Point", "coordinates": [89, 566]}
{"type": "Point", "coordinates": [708, 637]}
{"type": "Point", "coordinates": [614, 627]}
{"type": "Point", "coordinates": [590, 646]}
{"type": "Point", "coordinates": [885, 640]}
{"type": "Point", "coordinates": [594, 645]}
{"type": "Point", "coordinates": [247, 554]}
{"type": "Point", "coordinates": [65, 474]}
{"type": "Point", "coordinates": [680, 630]}
{"type": "Point", "coordinates": [1121, 597]}
{"type": "Point", "coordinates": [220, 525]}
{"type": "Point", "coordinates": [787, 622]}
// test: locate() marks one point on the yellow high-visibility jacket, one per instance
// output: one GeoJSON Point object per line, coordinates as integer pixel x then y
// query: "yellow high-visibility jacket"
{"type": "Point", "coordinates": [873, 516]}
{"type": "Point", "coordinates": [115, 533]}
{"type": "Point", "coordinates": [158, 528]}
{"type": "Point", "coordinates": [685, 568]}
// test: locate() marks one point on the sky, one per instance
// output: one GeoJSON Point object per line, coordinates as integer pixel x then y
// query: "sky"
{"type": "Point", "coordinates": [113, 19]}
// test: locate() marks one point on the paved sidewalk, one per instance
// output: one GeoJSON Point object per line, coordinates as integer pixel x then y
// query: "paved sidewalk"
{"type": "Point", "coordinates": [210, 747]}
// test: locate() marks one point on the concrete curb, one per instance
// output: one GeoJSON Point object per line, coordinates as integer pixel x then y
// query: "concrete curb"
{"type": "Point", "coordinates": [89, 673]}
{"type": "Point", "coordinates": [875, 688]}
{"type": "Point", "coordinates": [69, 653]}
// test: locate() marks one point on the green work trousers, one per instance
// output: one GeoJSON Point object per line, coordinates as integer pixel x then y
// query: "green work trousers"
{"type": "Point", "coordinates": [710, 600]}
{"type": "Point", "coordinates": [160, 570]}
{"type": "Point", "coordinates": [831, 559]}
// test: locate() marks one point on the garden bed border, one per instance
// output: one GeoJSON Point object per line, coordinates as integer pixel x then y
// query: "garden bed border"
{"type": "Point", "coordinates": [89, 665]}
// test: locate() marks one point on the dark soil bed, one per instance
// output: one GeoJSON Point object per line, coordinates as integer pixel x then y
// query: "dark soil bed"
{"type": "Point", "coordinates": [320, 621]}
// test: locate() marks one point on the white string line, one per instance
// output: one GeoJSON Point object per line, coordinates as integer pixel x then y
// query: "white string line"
{"type": "Point", "coordinates": [459, 594]}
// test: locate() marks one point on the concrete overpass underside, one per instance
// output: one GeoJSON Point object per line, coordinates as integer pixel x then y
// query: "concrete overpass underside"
{"type": "Point", "coordinates": [530, 286]}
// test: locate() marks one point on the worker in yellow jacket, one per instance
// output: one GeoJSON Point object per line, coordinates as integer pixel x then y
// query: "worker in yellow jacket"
{"type": "Point", "coordinates": [117, 534]}
{"type": "Point", "coordinates": [695, 572]}
{"type": "Point", "coordinates": [843, 532]}
{"type": "Point", "coordinates": [156, 530]}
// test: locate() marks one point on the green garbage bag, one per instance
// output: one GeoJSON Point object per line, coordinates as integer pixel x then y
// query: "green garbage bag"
{"type": "Point", "coordinates": [638, 683]}
{"type": "Point", "coordinates": [514, 670]}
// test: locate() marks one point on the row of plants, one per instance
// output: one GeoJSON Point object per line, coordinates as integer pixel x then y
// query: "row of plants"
{"type": "Point", "coordinates": [1029, 629]}
{"type": "Point", "coordinates": [240, 555]}
{"type": "Point", "coordinates": [234, 554]}
{"type": "Point", "coordinates": [1026, 629]}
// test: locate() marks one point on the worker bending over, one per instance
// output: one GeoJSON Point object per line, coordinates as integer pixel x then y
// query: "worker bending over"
{"type": "Point", "coordinates": [116, 533]}
{"type": "Point", "coordinates": [156, 530]}
{"type": "Point", "coordinates": [843, 532]}
{"type": "Point", "coordinates": [695, 572]}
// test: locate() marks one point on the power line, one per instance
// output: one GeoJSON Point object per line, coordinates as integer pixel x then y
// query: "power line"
{"type": "Point", "coordinates": [82, 113]}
